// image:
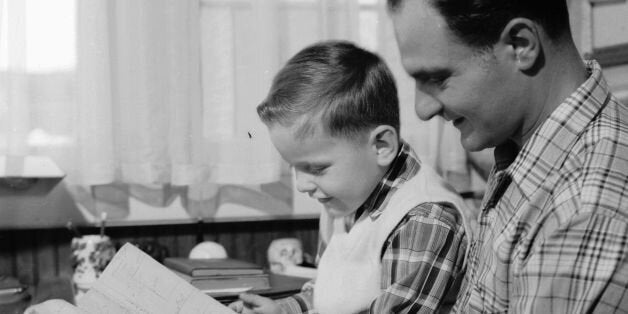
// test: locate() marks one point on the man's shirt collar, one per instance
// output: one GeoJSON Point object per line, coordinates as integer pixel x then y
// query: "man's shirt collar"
{"type": "Point", "coordinates": [553, 140]}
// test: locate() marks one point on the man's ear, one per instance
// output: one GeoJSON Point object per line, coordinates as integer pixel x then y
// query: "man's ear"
{"type": "Point", "coordinates": [385, 141]}
{"type": "Point", "coordinates": [522, 39]}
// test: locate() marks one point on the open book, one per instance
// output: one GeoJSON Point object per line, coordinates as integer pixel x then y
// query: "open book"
{"type": "Point", "coordinates": [133, 282]}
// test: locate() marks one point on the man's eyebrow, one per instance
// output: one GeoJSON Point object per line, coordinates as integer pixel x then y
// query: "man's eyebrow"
{"type": "Point", "coordinates": [309, 164]}
{"type": "Point", "coordinates": [428, 72]}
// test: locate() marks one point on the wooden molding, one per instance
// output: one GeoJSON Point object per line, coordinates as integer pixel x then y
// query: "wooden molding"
{"type": "Point", "coordinates": [611, 55]}
{"type": "Point", "coordinates": [605, 1]}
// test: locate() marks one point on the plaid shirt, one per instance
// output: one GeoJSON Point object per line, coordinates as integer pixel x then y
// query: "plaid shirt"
{"type": "Point", "coordinates": [418, 276]}
{"type": "Point", "coordinates": [554, 223]}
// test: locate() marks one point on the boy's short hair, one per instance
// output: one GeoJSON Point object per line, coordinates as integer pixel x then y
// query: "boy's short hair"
{"type": "Point", "coordinates": [337, 85]}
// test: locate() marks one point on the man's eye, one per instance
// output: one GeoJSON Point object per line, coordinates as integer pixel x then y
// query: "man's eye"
{"type": "Point", "coordinates": [316, 170]}
{"type": "Point", "coordinates": [436, 81]}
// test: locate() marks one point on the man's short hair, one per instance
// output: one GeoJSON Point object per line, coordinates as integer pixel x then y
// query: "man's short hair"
{"type": "Point", "coordinates": [333, 86]}
{"type": "Point", "coordinates": [479, 23]}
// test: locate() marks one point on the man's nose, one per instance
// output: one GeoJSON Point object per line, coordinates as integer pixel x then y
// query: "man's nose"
{"type": "Point", "coordinates": [304, 182]}
{"type": "Point", "coordinates": [426, 106]}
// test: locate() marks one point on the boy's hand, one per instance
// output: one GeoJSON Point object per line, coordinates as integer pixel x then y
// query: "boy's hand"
{"type": "Point", "coordinates": [238, 307]}
{"type": "Point", "coordinates": [255, 304]}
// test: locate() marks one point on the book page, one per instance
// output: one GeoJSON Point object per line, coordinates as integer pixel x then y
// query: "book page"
{"type": "Point", "coordinates": [134, 282]}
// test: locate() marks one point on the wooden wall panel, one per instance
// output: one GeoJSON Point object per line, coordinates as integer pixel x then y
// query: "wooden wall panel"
{"type": "Point", "coordinates": [45, 255]}
{"type": "Point", "coordinates": [62, 244]}
{"type": "Point", "coordinates": [25, 253]}
{"type": "Point", "coordinates": [7, 253]}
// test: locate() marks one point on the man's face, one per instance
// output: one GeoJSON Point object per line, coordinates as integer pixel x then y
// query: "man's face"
{"type": "Point", "coordinates": [337, 172]}
{"type": "Point", "coordinates": [476, 90]}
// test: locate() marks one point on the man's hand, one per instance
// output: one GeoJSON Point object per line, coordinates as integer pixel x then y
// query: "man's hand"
{"type": "Point", "coordinates": [255, 304]}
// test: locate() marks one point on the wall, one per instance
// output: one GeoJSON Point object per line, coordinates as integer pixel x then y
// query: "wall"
{"type": "Point", "coordinates": [600, 32]}
{"type": "Point", "coordinates": [33, 254]}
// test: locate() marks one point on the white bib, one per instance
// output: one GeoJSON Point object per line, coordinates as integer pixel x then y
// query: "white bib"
{"type": "Point", "coordinates": [349, 271]}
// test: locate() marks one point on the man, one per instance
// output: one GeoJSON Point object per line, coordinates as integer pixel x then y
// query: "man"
{"type": "Point", "coordinates": [553, 226]}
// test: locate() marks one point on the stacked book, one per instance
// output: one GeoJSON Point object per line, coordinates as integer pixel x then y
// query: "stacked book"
{"type": "Point", "coordinates": [14, 297]}
{"type": "Point", "coordinates": [220, 276]}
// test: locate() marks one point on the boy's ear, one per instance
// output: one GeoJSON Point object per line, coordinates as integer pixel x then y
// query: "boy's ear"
{"type": "Point", "coordinates": [385, 142]}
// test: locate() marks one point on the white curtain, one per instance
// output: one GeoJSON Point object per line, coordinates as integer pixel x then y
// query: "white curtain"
{"type": "Point", "coordinates": [249, 41]}
{"type": "Point", "coordinates": [161, 100]}
{"type": "Point", "coordinates": [14, 105]}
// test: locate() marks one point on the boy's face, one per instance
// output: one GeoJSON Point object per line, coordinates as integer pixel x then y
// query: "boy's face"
{"type": "Point", "coordinates": [337, 172]}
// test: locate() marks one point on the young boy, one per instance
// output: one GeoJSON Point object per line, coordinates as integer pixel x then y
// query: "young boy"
{"type": "Point", "coordinates": [391, 235]}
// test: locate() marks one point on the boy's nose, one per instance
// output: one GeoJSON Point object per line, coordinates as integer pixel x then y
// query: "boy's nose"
{"type": "Point", "coordinates": [304, 183]}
